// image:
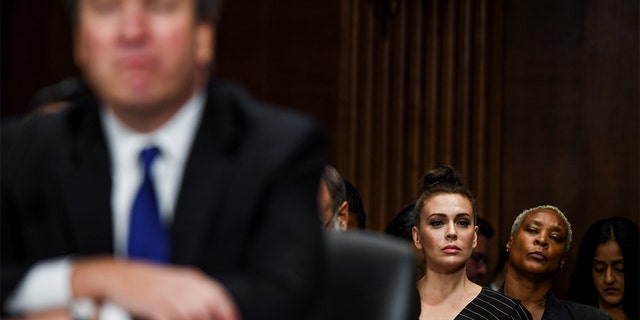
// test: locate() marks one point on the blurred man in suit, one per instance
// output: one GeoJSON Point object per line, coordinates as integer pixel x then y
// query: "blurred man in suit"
{"type": "Point", "coordinates": [156, 149]}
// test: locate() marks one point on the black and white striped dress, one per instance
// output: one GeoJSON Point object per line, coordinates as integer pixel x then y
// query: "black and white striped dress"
{"type": "Point", "coordinates": [492, 305]}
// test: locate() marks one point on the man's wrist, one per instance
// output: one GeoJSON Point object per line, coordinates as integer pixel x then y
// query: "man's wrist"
{"type": "Point", "coordinates": [89, 277]}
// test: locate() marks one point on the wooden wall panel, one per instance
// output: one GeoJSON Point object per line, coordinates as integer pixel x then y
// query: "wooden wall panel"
{"type": "Point", "coordinates": [418, 75]}
{"type": "Point", "coordinates": [571, 133]}
{"type": "Point", "coordinates": [286, 52]}
{"type": "Point", "coordinates": [35, 51]}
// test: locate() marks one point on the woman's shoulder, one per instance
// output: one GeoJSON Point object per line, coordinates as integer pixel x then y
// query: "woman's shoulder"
{"type": "Point", "coordinates": [494, 305]}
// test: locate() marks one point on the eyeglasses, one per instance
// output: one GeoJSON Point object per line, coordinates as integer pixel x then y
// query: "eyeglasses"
{"type": "Point", "coordinates": [332, 219]}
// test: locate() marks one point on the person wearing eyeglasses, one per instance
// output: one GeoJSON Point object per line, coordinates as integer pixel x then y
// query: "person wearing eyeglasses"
{"type": "Point", "coordinates": [332, 201]}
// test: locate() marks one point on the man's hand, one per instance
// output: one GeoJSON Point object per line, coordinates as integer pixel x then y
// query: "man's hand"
{"type": "Point", "coordinates": [153, 291]}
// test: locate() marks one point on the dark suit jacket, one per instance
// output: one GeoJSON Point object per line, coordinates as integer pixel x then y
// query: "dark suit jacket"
{"type": "Point", "coordinates": [246, 213]}
{"type": "Point", "coordinates": [556, 309]}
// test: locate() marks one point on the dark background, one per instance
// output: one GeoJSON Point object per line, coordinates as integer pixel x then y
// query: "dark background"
{"type": "Point", "coordinates": [535, 101]}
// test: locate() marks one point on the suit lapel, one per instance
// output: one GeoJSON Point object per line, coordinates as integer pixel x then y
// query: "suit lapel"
{"type": "Point", "coordinates": [88, 182]}
{"type": "Point", "coordinates": [554, 310]}
{"type": "Point", "coordinates": [207, 173]}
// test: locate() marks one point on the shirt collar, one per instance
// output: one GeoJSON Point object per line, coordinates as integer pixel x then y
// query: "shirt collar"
{"type": "Point", "coordinates": [174, 138]}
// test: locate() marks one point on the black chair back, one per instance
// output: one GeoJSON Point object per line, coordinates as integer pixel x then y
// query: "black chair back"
{"type": "Point", "coordinates": [369, 275]}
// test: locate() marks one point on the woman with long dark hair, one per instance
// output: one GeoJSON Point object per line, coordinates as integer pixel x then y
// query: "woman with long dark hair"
{"type": "Point", "coordinates": [606, 274]}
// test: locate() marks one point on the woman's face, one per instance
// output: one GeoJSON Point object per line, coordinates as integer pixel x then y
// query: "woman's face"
{"type": "Point", "coordinates": [539, 243]}
{"type": "Point", "coordinates": [608, 273]}
{"type": "Point", "coordinates": [446, 234]}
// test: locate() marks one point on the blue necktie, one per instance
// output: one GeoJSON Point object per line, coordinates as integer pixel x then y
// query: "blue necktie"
{"type": "Point", "coordinates": [148, 238]}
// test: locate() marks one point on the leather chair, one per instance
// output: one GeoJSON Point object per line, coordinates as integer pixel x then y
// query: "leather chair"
{"type": "Point", "coordinates": [369, 275]}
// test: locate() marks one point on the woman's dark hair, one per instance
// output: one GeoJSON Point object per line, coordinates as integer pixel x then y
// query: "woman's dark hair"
{"type": "Point", "coordinates": [625, 233]}
{"type": "Point", "coordinates": [443, 179]}
{"type": "Point", "coordinates": [402, 224]}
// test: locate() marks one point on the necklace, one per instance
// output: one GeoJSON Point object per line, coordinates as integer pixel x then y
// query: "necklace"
{"type": "Point", "coordinates": [535, 304]}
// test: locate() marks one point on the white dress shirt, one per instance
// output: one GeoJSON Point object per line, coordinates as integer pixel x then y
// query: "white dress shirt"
{"type": "Point", "coordinates": [47, 284]}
